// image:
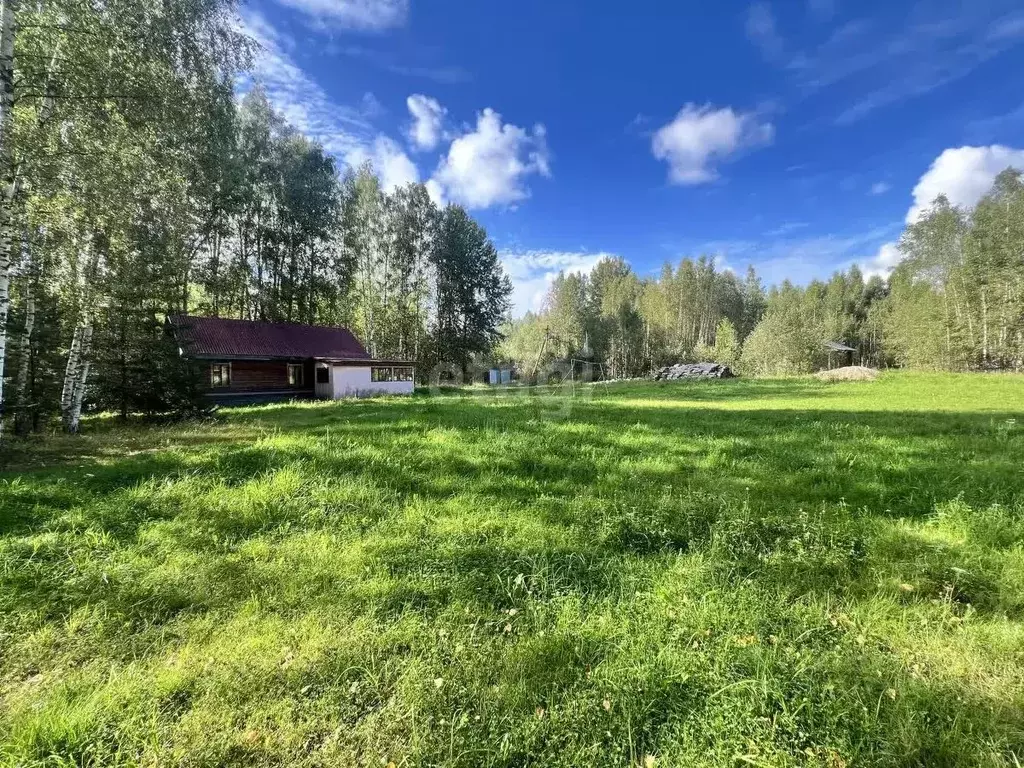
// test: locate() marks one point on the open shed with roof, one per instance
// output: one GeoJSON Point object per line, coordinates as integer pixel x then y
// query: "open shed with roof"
{"type": "Point", "coordinates": [840, 353]}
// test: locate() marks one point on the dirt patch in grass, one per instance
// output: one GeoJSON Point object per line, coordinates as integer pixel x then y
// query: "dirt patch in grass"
{"type": "Point", "coordinates": [848, 373]}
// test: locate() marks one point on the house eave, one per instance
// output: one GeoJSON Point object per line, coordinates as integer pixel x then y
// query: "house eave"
{"type": "Point", "coordinates": [363, 361]}
{"type": "Point", "coordinates": [247, 358]}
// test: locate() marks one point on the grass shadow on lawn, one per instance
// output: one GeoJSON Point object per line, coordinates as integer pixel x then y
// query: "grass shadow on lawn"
{"type": "Point", "coordinates": [639, 486]}
{"type": "Point", "coordinates": [695, 581]}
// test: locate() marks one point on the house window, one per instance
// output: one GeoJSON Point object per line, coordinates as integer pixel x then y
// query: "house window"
{"type": "Point", "coordinates": [220, 374]}
{"type": "Point", "coordinates": [323, 375]}
{"type": "Point", "coordinates": [295, 375]}
{"type": "Point", "coordinates": [403, 374]}
{"type": "Point", "coordinates": [382, 374]}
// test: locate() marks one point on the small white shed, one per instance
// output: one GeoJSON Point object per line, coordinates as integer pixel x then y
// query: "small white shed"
{"type": "Point", "coordinates": [336, 379]}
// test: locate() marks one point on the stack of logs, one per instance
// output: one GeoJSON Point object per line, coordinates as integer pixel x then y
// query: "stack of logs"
{"type": "Point", "coordinates": [694, 371]}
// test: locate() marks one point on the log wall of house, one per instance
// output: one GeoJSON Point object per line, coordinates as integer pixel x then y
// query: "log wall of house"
{"type": "Point", "coordinates": [262, 376]}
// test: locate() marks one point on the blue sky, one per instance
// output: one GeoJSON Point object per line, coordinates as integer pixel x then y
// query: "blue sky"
{"type": "Point", "coordinates": [797, 135]}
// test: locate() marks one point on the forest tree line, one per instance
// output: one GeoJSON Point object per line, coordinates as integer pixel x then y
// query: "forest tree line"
{"type": "Point", "coordinates": [136, 184]}
{"type": "Point", "coordinates": [954, 302]}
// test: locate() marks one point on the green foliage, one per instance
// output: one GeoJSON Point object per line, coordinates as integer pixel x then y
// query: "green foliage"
{"type": "Point", "coordinates": [170, 197]}
{"type": "Point", "coordinates": [727, 345]}
{"type": "Point", "coordinates": [798, 321]}
{"type": "Point", "coordinates": [782, 344]}
{"type": "Point", "coordinates": [706, 573]}
{"type": "Point", "coordinates": [955, 301]}
{"type": "Point", "coordinates": [472, 289]}
{"type": "Point", "coordinates": [754, 303]}
{"type": "Point", "coordinates": [703, 353]}
{"type": "Point", "coordinates": [629, 324]}
{"type": "Point", "coordinates": [566, 315]}
{"type": "Point", "coordinates": [957, 298]}
{"type": "Point", "coordinates": [522, 342]}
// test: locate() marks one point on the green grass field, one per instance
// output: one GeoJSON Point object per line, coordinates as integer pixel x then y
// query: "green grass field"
{"type": "Point", "coordinates": [757, 573]}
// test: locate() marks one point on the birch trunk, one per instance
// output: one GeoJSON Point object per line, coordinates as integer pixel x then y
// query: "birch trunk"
{"type": "Point", "coordinates": [8, 173]}
{"type": "Point", "coordinates": [67, 394]}
{"type": "Point", "coordinates": [21, 382]}
{"type": "Point", "coordinates": [310, 299]}
{"type": "Point", "coordinates": [984, 326]}
{"type": "Point", "coordinates": [13, 180]}
{"type": "Point", "coordinates": [949, 337]}
{"type": "Point", "coordinates": [5, 294]}
{"type": "Point", "coordinates": [81, 378]}
{"type": "Point", "coordinates": [76, 373]}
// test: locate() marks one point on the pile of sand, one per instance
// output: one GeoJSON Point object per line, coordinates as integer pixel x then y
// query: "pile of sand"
{"type": "Point", "coordinates": [849, 373]}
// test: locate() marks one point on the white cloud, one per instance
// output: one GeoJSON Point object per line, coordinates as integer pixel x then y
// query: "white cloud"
{"type": "Point", "coordinates": [393, 166]}
{"type": "Point", "coordinates": [428, 120]}
{"type": "Point", "coordinates": [822, 10]}
{"type": "Point", "coordinates": [345, 131]}
{"type": "Point", "coordinates": [303, 103]}
{"type": "Point", "coordinates": [798, 259]}
{"type": "Point", "coordinates": [762, 31]}
{"type": "Point", "coordinates": [366, 15]}
{"type": "Point", "coordinates": [936, 44]}
{"type": "Point", "coordinates": [408, 62]}
{"type": "Point", "coordinates": [880, 188]}
{"type": "Point", "coordinates": [532, 273]}
{"type": "Point", "coordinates": [700, 136]}
{"type": "Point", "coordinates": [963, 175]}
{"type": "Point", "coordinates": [436, 192]}
{"type": "Point", "coordinates": [787, 228]}
{"type": "Point", "coordinates": [488, 166]}
{"type": "Point", "coordinates": [885, 260]}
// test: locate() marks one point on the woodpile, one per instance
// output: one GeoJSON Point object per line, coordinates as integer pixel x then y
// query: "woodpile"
{"type": "Point", "coordinates": [694, 371]}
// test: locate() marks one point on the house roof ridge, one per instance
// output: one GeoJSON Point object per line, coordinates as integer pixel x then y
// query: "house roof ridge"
{"type": "Point", "coordinates": [204, 336]}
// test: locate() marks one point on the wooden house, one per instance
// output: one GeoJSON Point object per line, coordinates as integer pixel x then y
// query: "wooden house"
{"type": "Point", "coordinates": [245, 361]}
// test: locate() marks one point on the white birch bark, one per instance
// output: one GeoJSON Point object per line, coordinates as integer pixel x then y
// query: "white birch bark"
{"type": "Point", "coordinates": [12, 189]}
{"type": "Point", "coordinates": [5, 302]}
{"type": "Point", "coordinates": [21, 381]}
{"type": "Point", "coordinates": [67, 394]}
{"type": "Point", "coordinates": [81, 378]}
{"type": "Point", "coordinates": [984, 326]}
{"type": "Point", "coordinates": [7, 174]}
{"type": "Point", "coordinates": [77, 371]}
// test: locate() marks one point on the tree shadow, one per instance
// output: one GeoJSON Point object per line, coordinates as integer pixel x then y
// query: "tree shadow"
{"type": "Point", "coordinates": [395, 509]}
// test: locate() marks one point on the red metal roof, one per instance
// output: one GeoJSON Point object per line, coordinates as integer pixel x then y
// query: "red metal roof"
{"type": "Point", "coordinates": [219, 337]}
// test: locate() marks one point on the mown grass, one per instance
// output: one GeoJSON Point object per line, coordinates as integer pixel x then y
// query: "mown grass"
{"type": "Point", "coordinates": [681, 574]}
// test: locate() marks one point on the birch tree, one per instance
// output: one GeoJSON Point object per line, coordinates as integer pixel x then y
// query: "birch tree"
{"type": "Point", "coordinates": [8, 174]}
{"type": "Point", "coordinates": [31, 278]}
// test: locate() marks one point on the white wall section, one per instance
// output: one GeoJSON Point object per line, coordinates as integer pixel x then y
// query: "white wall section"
{"type": "Point", "coordinates": [355, 381]}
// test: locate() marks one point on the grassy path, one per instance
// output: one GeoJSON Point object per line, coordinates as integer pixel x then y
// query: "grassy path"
{"type": "Point", "coordinates": [681, 574]}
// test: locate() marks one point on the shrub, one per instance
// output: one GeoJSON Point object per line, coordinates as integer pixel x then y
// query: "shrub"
{"type": "Point", "coordinates": [727, 344]}
{"type": "Point", "coordinates": [780, 346]}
